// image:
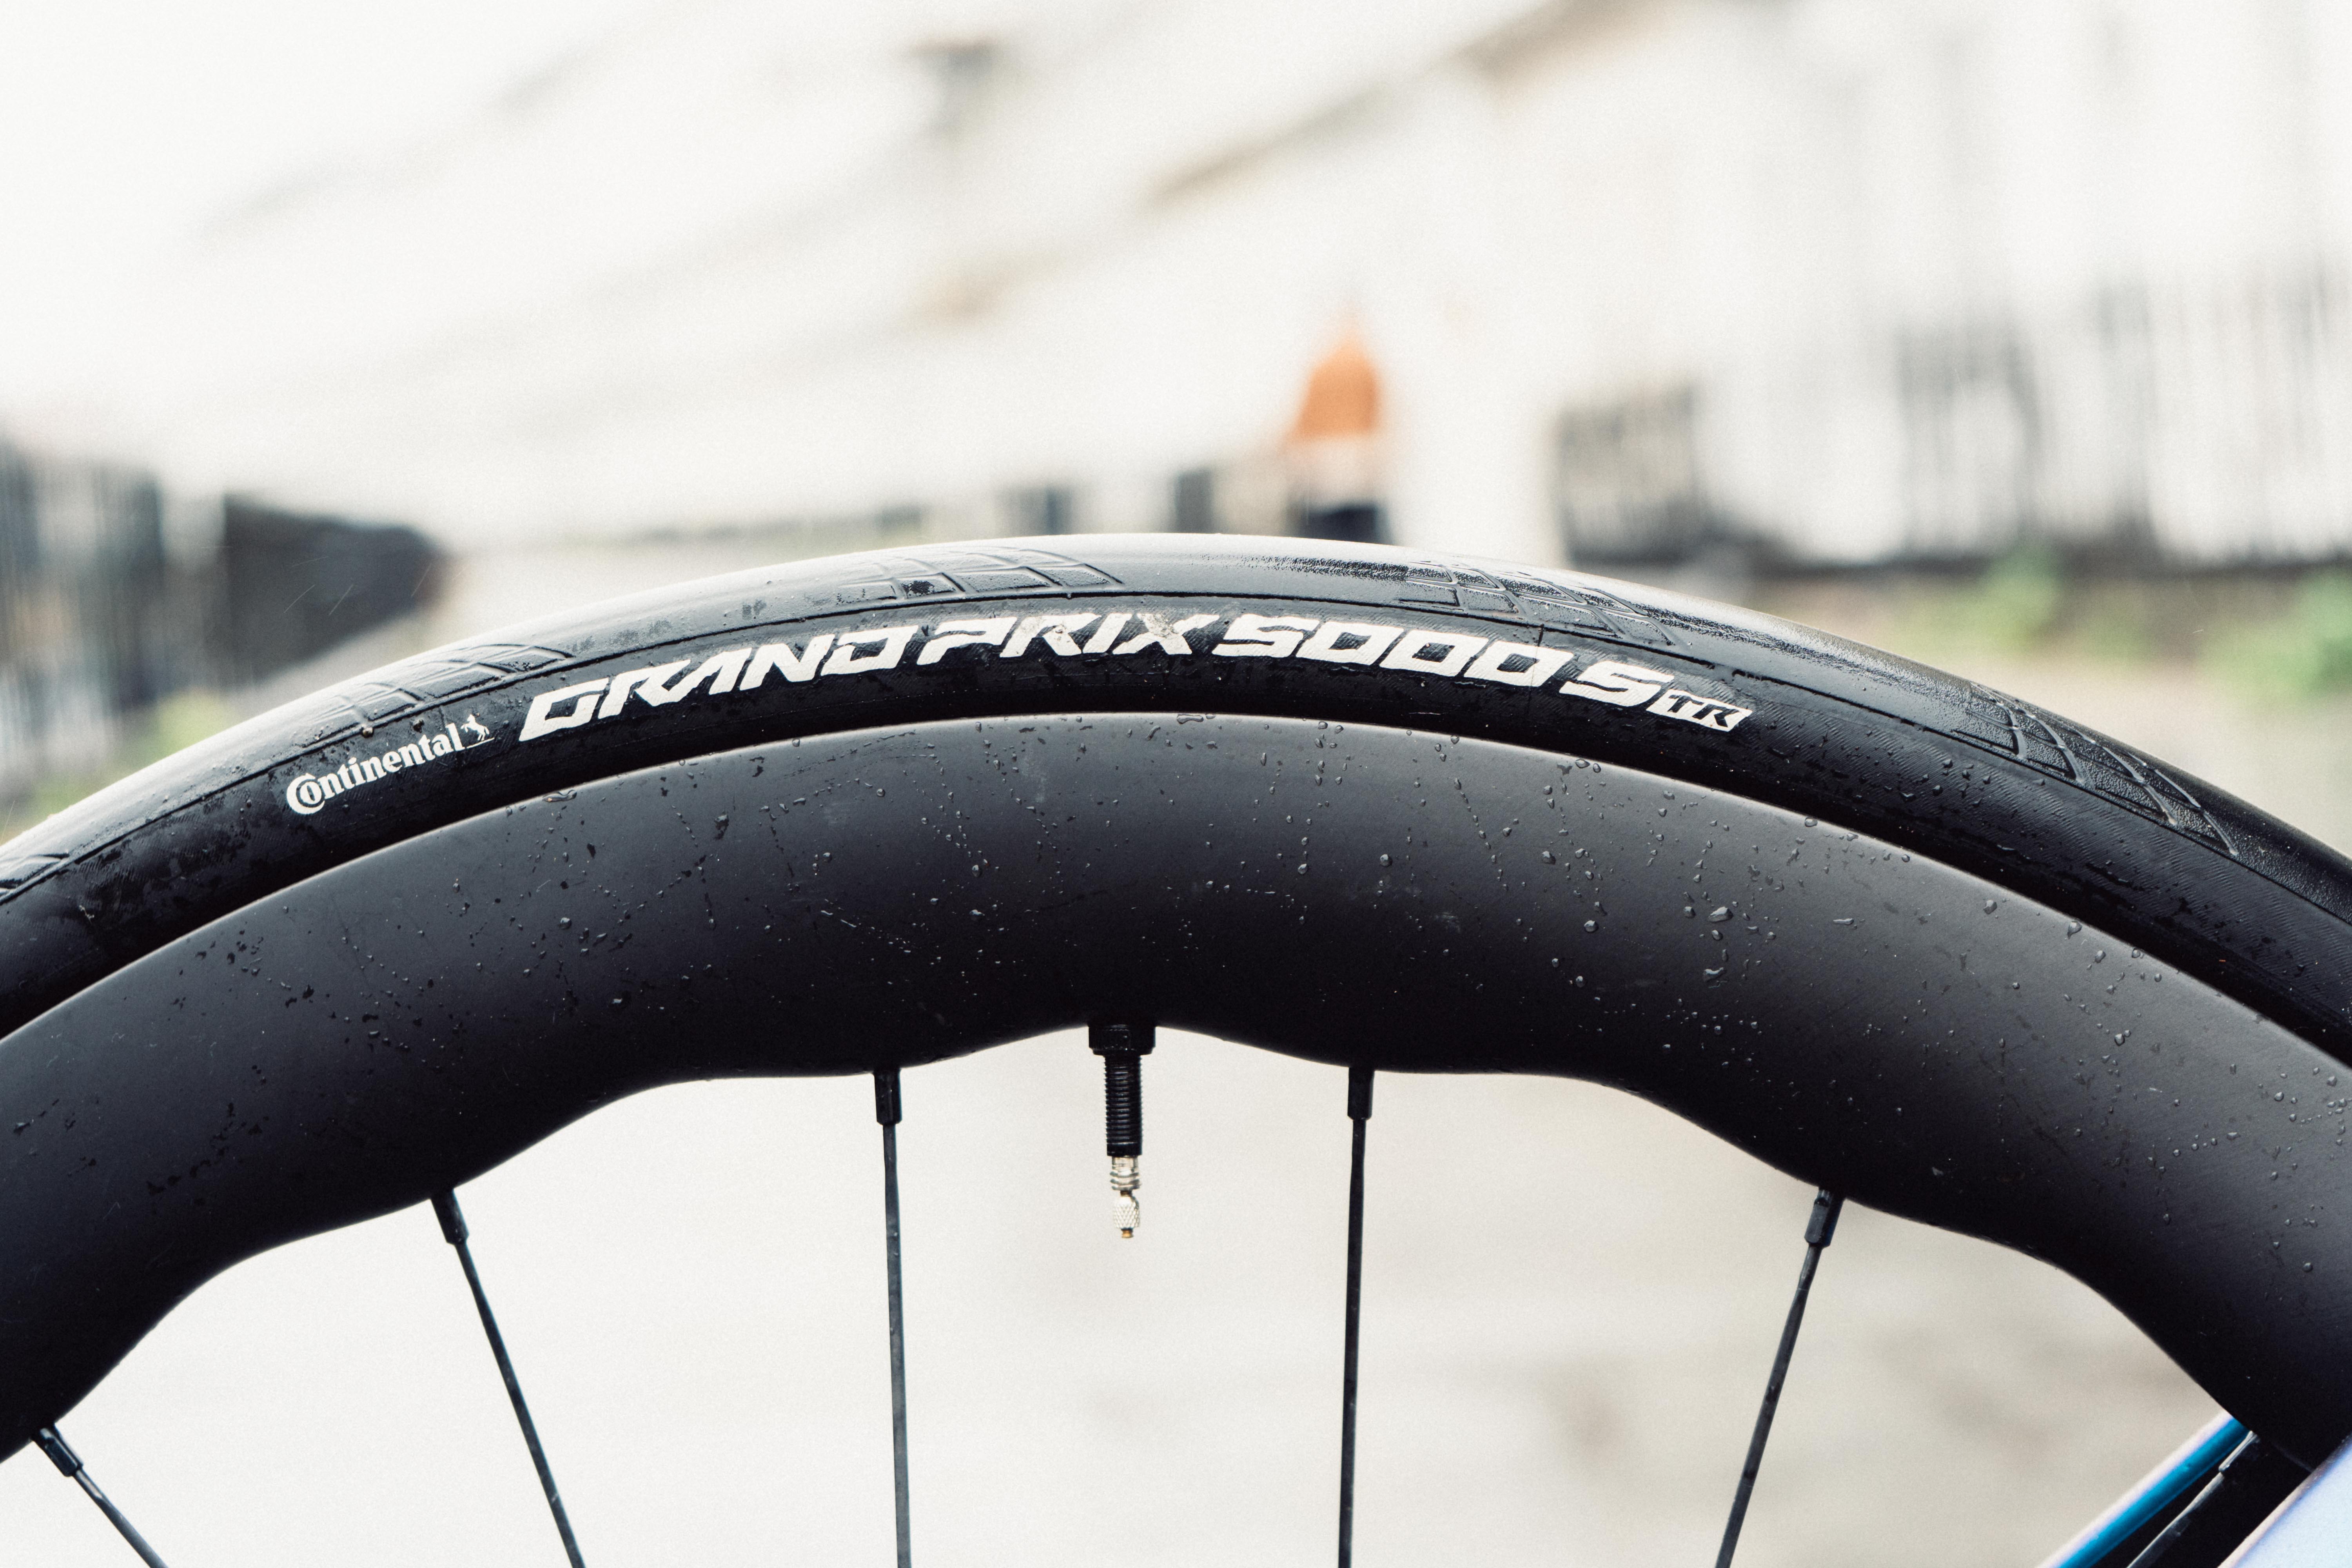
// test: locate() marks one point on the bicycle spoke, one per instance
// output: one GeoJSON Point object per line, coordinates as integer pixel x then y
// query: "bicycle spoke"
{"type": "Point", "coordinates": [453, 1231]}
{"type": "Point", "coordinates": [2254, 1480]}
{"type": "Point", "coordinates": [69, 1464]}
{"type": "Point", "coordinates": [1359, 1111]}
{"type": "Point", "coordinates": [1122, 1047]}
{"type": "Point", "coordinates": [886, 1111]}
{"type": "Point", "coordinates": [1819, 1228]}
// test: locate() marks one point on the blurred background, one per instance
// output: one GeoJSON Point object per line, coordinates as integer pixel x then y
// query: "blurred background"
{"type": "Point", "coordinates": [2012, 334]}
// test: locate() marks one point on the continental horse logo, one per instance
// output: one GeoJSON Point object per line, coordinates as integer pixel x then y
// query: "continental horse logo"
{"type": "Point", "coordinates": [309, 791]}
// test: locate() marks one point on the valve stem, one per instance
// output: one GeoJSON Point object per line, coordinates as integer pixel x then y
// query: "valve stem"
{"type": "Point", "coordinates": [1122, 1047]}
{"type": "Point", "coordinates": [1124, 1180]}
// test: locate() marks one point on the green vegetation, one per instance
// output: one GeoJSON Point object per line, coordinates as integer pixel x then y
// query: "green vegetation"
{"type": "Point", "coordinates": [2305, 653]}
{"type": "Point", "coordinates": [2271, 637]}
{"type": "Point", "coordinates": [172, 724]}
{"type": "Point", "coordinates": [2016, 605]}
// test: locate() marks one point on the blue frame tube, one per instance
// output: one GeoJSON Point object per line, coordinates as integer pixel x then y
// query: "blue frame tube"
{"type": "Point", "coordinates": [2191, 1465]}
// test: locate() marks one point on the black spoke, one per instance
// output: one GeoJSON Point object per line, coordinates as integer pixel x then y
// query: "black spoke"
{"type": "Point", "coordinates": [886, 1111]}
{"type": "Point", "coordinates": [1359, 1111]}
{"type": "Point", "coordinates": [68, 1464]}
{"type": "Point", "coordinates": [1819, 1228]}
{"type": "Point", "coordinates": [2254, 1480]}
{"type": "Point", "coordinates": [452, 1228]}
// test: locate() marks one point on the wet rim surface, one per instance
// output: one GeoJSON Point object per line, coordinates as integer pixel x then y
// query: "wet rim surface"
{"type": "Point", "coordinates": [1929, 1042]}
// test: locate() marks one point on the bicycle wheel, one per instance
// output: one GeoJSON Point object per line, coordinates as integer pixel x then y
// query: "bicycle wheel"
{"type": "Point", "coordinates": [1895, 934]}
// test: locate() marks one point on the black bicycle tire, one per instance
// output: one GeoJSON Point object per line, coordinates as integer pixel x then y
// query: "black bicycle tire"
{"type": "Point", "coordinates": [164, 1125]}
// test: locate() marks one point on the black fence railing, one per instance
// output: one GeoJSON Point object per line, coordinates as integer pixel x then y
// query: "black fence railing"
{"type": "Point", "coordinates": [112, 602]}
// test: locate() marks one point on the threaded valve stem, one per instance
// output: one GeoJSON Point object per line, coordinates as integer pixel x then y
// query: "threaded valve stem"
{"type": "Point", "coordinates": [1122, 1047]}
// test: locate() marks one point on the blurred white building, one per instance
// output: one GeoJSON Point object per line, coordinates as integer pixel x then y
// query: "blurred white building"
{"type": "Point", "coordinates": [1857, 278]}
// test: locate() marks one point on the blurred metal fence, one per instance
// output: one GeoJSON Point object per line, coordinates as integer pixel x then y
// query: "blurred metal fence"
{"type": "Point", "coordinates": [113, 598]}
{"type": "Point", "coordinates": [2206, 424]}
